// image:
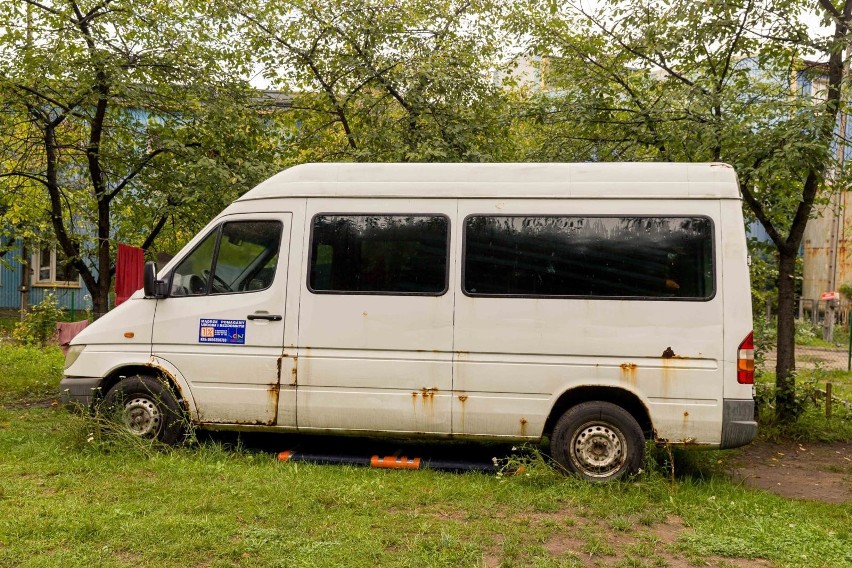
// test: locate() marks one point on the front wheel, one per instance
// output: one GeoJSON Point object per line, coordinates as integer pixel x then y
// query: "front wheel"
{"type": "Point", "coordinates": [599, 441]}
{"type": "Point", "coordinates": [147, 407]}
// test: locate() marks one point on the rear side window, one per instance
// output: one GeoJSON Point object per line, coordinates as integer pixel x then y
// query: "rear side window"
{"type": "Point", "coordinates": [379, 254]}
{"type": "Point", "coordinates": [598, 257]}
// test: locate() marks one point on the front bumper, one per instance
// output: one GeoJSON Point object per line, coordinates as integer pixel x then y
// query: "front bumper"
{"type": "Point", "coordinates": [77, 392]}
{"type": "Point", "coordinates": [738, 424]}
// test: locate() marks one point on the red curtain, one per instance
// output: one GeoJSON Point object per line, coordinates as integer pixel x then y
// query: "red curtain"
{"type": "Point", "coordinates": [129, 271]}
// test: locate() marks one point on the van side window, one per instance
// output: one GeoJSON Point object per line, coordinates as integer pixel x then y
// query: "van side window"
{"type": "Point", "coordinates": [236, 257]}
{"type": "Point", "coordinates": [379, 254]}
{"type": "Point", "coordinates": [605, 257]}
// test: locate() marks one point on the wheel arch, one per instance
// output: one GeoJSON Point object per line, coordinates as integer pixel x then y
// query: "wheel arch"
{"type": "Point", "coordinates": [624, 398]}
{"type": "Point", "coordinates": [116, 375]}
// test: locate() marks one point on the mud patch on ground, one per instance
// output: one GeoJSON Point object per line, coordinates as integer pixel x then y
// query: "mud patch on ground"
{"type": "Point", "coordinates": [591, 543]}
{"type": "Point", "coordinates": [812, 471]}
{"type": "Point", "coordinates": [40, 403]}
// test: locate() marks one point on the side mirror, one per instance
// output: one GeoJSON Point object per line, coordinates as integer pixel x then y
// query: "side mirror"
{"type": "Point", "coordinates": [153, 288]}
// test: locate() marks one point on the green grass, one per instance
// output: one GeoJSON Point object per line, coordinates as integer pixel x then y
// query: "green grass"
{"type": "Point", "coordinates": [69, 500]}
{"type": "Point", "coordinates": [29, 373]}
{"type": "Point", "coordinates": [74, 492]}
{"type": "Point", "coordinates": [841, 381]}
{"type": "Point", "coordinates": [815, 379]}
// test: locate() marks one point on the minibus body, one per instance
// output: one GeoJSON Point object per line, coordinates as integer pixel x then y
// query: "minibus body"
{"type": "Point", "coordinates": [597, 304]}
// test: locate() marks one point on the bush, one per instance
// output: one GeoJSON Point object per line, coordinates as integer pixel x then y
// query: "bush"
{"type": "Point", "coordinates": [807, 333]}
{"type": "Point", "coordinates": [809, 422]}
{"type": "Point", "coordinates": [39, 326]}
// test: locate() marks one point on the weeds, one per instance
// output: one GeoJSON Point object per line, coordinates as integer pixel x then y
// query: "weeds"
{"type": "Point", "coordinates": [530, 464]}
{"type": "Point", "coordinates": [100, 431]}
{"type": "Point", "coordinates": [104, 428]}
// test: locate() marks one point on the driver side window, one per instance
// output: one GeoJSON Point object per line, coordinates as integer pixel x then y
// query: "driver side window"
{"type": "Point", "coordinates": [236, 257]}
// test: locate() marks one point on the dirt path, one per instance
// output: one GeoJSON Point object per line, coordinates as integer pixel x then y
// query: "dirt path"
{"type": "Point", "coordinates": [818, 472]}
{"type": "Point", "coordinates": [810, 357]}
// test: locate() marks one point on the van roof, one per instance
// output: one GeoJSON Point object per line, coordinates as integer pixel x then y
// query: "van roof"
{"type": "Point", "coordinates": [646, 180]}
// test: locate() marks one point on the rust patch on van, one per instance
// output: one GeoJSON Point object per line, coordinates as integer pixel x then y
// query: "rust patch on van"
{"type": "Point", "coordinates": [427, 397]}
{"type": "Point", "coordinates": [428, 394]}
{"type": "Point", "coordinates": [665, 377]}
{"type": "Point", "coordinates": [524, 427]}
{"type": "Point", "coordinates": [172, 382]}
{"type": "Point", "coordinates": [294, 372]}
{"type": "Point", "coordinates": [253, 422]}
{"type": "Point", "coordinates": [628, 372]}
{"type": "Point", "coordinates": [273, 391]}
{"type": "Point", "coordinates": [462, 398]}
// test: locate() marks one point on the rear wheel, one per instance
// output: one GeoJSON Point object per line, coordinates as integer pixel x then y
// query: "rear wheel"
{"type": "Point", "coordinates": [147, 407]}
{"type": "Point", "coordinates": [599, 441]}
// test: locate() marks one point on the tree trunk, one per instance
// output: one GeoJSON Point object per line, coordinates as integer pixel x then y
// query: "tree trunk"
{"type": "Point", "coordinates": [100, 296]}
{"type": "Point", "coordinates": [785, 380]}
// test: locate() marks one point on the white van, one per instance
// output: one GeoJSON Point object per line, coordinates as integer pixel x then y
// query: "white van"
{"type": "Point", "coordinates": [597, 304]}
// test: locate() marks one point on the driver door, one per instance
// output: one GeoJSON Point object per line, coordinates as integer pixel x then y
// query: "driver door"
{"type": "Point", "coordinates": [222, 325]}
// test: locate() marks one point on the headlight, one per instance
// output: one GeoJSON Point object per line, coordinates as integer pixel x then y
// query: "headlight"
{"type": "Point", "coordinates": [73, 352]}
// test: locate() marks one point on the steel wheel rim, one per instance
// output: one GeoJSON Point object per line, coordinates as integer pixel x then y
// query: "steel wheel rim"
{"type": "Point", "coordinates": [141, 416]}
{"type": "Point", "coordinates": [598, 450]}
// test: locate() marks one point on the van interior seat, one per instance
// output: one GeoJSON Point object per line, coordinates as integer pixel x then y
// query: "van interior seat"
{"type": "Point", "coordinates": [261, 280]}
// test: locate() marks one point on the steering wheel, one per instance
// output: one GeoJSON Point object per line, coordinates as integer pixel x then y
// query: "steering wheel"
{"type": "Point", "coordinates": [219, 285]}
{"type": "Point", "coordinates": [197, 285]}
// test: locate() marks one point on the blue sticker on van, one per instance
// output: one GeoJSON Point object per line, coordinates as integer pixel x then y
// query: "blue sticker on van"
{"type": "Point", "coordinates": [222, 331]}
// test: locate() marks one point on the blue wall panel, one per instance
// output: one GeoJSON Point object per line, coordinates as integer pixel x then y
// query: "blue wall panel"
{"type": "Point", "coordinates": [10, 281]}
{"type": "Point", "coordinates": [10, 284]}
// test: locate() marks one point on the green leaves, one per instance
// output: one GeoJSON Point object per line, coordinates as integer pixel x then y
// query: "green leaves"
{"type": "Point", "coordinates": [382, 82]}
{"type": "Point", "coordinates": [118, 117]}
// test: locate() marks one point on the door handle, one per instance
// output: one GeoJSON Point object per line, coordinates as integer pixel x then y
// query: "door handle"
{"type": "Point", "coordinates": [268, 317]}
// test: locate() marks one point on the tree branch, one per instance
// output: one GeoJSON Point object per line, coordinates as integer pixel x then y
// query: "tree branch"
{"type": "Point", "coordinates": [26, 175]}
{"type": "Point", "coordinates": [44, 7]}
{"type": "Point", "coordinates": [830, 8]}
{"type": "Point", "coordinates": [155, 231]}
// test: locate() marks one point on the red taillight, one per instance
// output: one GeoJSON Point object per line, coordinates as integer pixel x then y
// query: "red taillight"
{"type": "Point", "coordinates": [745, 361]}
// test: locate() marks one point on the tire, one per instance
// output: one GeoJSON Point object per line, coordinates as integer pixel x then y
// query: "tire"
{"type": "Point", "coordinates": [148, 408]}
{"type": "Point", "coordinates": [598, 441]}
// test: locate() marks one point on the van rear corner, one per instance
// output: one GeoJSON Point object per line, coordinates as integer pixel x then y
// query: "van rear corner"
{"type": "Point", "coordinates": [739, 426]}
